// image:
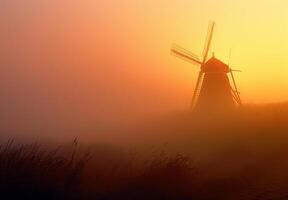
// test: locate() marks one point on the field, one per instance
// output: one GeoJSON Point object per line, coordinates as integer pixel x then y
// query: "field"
{"type": "Point", "coordinates": [240, 155]}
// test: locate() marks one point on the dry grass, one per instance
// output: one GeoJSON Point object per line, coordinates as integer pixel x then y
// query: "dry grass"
{"type": "Point", "coordinates": [246, 160]}
{"type": "Point", "coordinates": [30, 172]}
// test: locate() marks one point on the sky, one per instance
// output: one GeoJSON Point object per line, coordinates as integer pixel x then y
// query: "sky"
{"type": "Point", "coordinates": [65, 61]}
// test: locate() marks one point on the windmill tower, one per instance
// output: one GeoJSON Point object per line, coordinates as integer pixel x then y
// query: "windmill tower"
{"type": "Point", "coordinates": [213, 90]}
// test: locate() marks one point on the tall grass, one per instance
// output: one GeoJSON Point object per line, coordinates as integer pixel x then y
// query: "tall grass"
{"type": "Point", "coordinates": [31, 172]}
{"type": "Point", "coordinates": [243, 157]}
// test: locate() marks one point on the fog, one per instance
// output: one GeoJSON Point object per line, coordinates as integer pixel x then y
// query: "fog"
{"type": "Point", "coordinates": [92, 68]}
{"type": "Point", "coordinates": [96, 78]}
{"type": "Point", "coordinates": [59, 76]}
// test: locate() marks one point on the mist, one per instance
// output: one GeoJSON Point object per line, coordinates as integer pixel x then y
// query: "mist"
{"type": "Point", "coordinates": [76, 68]}
{"type": "Point", "coordinates": [60, 73]}
{"type": "Point", "coordinates": [93, 106]}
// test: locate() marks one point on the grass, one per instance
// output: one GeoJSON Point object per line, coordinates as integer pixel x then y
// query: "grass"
{"type": "Point", "coordinates": [32, 172]}
{"type": "Point", "coordinates": [241, 158]}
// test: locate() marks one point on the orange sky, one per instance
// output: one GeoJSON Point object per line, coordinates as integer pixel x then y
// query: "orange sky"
{"type": "Point", "coordinates": [101, 57]}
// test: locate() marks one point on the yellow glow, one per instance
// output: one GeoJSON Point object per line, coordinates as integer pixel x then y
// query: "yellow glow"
{"type": "Point", "coordinates": [255, 30]}
{"type": "Point", "coordinates": [131, 39]}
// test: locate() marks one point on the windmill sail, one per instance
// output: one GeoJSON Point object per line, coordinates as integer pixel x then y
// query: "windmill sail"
{"type": "Point", "coordinates": [208, 41]}
{"type": "Point", "coordinates": [185, 54]}
{"type": "Point", "coordinates": [236, 88]}
{"type": "Point", "coordinates": [197, 89]}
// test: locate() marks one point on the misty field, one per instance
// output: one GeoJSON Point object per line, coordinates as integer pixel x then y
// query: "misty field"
{"type": "Point", "coordinates": [235, 156]}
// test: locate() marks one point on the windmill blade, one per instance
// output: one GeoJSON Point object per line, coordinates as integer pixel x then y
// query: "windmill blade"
{"type": "Point", "coordinates": [235, 70]}
{"type": "Point", "coordinates": [197, 88]}
{"type": "Point", "coordinates": [236, 93]}
{"type": "Point", "coordinates": [208, 41]}
{"type": "Point", "coordinates": [185, 54]}
{"type": "Point", "coordinates": [236, 89]}
{"type": "Point", "coordinates": [185, 51]}
{"type": "Point", "coordinates": [236, 97]}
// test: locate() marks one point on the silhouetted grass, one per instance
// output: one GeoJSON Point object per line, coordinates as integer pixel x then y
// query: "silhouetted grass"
{"type": "Point", "coordinates": [30, 172]}
{"type": "Point", "coordinates": [239, 156]}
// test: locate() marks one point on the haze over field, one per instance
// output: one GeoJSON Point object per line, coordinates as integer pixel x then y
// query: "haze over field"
{"type": "Point", "coordinates": [94, 106]}
{"type": "Point", "coordinates": [94, 63]}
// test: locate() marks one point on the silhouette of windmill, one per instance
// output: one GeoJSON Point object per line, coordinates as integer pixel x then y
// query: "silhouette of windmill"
{"type": "Point", "coordinates": [213, 90]}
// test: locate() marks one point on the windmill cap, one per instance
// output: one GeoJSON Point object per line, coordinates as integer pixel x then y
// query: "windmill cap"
{"type": "Point", "coordinates": [213, 65]}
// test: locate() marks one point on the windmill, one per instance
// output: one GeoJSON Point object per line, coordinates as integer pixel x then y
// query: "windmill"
{"type": "Point", "coordinates": [213, 89]}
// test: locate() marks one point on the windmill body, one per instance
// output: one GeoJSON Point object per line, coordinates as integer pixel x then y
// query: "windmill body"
{"type": "Point", "coordinates": [213, 90]}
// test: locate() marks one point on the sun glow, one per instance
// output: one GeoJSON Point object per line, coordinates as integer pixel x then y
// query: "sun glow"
{"type": "Point", "coordinates": [90, 52]}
